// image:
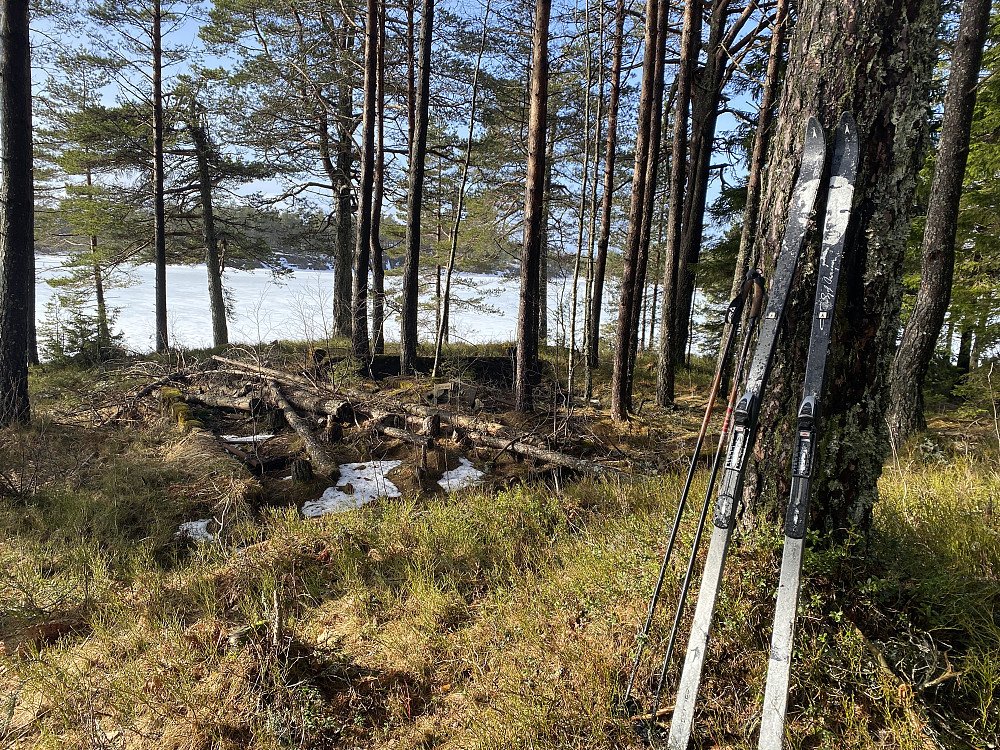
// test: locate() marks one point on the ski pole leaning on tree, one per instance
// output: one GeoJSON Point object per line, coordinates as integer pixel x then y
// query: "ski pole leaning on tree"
{"type": "Point", "coordinates": [751, 284]}
{"type": "Point", "coordinates": [838, 211]}
{"type": "Point", "coordinates": [745, 429]}
{"type": "Point", "coordinates": [741, 361]}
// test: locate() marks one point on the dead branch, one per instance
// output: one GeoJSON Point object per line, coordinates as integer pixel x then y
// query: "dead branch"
{"type": "Point", "coordinates": [321, 460]}
{"type": "Point", "coordinates": [542, 454]}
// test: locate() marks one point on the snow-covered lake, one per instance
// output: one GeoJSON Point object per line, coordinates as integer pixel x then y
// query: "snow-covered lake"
{"type": "Point", "coordinates": [298, 306]}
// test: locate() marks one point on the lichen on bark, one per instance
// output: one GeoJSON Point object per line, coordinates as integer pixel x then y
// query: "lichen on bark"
{"type": "Point", "coordinates": [874, 59]}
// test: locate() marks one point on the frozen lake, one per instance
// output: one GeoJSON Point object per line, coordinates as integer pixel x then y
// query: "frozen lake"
{"type": "Point", "coordinates": [298, 306]}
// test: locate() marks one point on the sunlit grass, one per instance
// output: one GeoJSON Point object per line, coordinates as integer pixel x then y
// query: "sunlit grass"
{"type": "Point", "coordinates": [492, 618]}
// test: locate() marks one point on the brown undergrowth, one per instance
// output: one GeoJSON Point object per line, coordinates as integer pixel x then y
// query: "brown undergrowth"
{"type": "Point", "coordinates": [491, 618]}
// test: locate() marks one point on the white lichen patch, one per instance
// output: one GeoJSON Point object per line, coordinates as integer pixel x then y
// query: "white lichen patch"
{"type": "Point", "coordinates": [464, 475]}
{"type": "Point", "coordinates": [196, 530]}
{"type": "Point", "coordinates": [246, 438]}
{"type": "Point", "coordinates": [366, 482]}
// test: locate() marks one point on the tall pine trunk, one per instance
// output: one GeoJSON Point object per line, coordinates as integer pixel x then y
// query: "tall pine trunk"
{"type": "Point", "coordinates": [216, 298]}
{"type": "Point", "coordinates": [937, 264]}
{"type": "Point", "coordinates": [414, 201]}
{"type": "Point", "coordinates": [607, 199]}
{"type": "Point", "coordinates": [873, 58]}
{"type": "Point", "coordinates": [159, 210]}
{"type": "Point", "coordinates": [706, 97]}
{"type": "Point", "coordinates": [620, 398]}
{"type": "Point", "coordinates": [378, 196]}
{"type": "Point", "coordinates": [526, 375]}
{"type": "Point", "coordinates": [18, 217]}
{"type": "Point", "coordinates": [343, 252]}
{"type": "Point", "coordinates": [360, 342]}
{"type": "Point", "coordinates": [690, 34]}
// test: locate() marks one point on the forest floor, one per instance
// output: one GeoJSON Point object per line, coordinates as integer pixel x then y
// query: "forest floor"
{"type": "Point", "coordinates": [502, 615]}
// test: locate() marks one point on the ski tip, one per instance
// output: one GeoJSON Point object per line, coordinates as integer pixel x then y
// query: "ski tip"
{"type": "Point", "coordinates": [846, 148]}
{"type": "Point", "coordinates": [813, 129]}
{"type": "Point", "coordinates": [846, 123]}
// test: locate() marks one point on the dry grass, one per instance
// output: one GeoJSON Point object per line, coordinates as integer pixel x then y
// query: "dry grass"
{"type": "Point", "coordinates": [500, 618]}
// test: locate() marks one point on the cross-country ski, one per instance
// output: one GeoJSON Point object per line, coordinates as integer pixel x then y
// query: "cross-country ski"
{"type": "Point", "coordinates": [838, 213]}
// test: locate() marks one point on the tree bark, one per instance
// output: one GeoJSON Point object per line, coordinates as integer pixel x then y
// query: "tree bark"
{"type": "Point", "coordinates": [159, 210]}
{"type": "Point", "coordinates": [875, 59]}
{"type": "Point", "coordinates": [678, 161]}
{"type": "Point", "coordinates": [378, 196]}
{"type": "Point", "coordinates": [418, 153]}
{"type": "Point", "coordinates": [619, 375]}
{"type": "Point", "coordinates": [526, 375]}
{"type": "Point", "coordinates": [597, 297]}
{"type": "Point", "coordinates": [765, 117]}
{"type": "Point", "coordinates": [360, 342]}
{"type": "Point", "coordinates": [343, 253]}
{"type": "Point", "coordinates": [705, 100]}
{"type": "Point", "coordinates": [216, 299]}
{"type": "Point", "coordinates": [937, 265]}
{"type": "Point", "coordinates": [18, 217]}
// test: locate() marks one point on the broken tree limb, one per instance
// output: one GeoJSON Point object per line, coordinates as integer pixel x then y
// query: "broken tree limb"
{"type": "Point", "coordinates": [220, 401]}
{"type": "Point", "coordinates": [300, 391]}
{"type": "Point", "coordinates": [321, 460]}
{"type": "Point", "coordinates": [542, 454]}
{"type": "Point", "coordinates": [404, 435]}
{"type": "Point", "coordinates": [470, 422]}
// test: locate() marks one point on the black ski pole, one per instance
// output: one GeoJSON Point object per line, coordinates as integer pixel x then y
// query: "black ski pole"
{"type": "Point", "coordinates": [733, 315]}
{"type": "Point", "coordinates": [752, 321]}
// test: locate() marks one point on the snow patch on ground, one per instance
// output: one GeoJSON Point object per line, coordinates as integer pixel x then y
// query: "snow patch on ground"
{"type": "Point", "coordinates": [246, 438]}
{"type": "Point", "coordinates": [464, 475]}
{"type": "Point", "coordinates": [368, 482]}
{"type": "Point", "coordinates": [196, 530]}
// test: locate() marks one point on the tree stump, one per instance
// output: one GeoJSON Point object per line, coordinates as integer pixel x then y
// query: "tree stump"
{"type": "Point", "coordinates": [274, 421]}
{"type": "Point", "coordinates": [432, 426]}
{"type": "Point", "coordinates": [302, 470]}
{"type": "Point", "coordinates": [333, 432]}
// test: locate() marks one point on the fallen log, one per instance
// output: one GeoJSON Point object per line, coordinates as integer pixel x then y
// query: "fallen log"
{"type": "Point", "coordinates": [581, 465]}
{"type": "Point", "coordinates": [300, 391]}
{"type": "Point", "coordinates": [404, 435]}
{"type": "Point", "coordinates": [267, 372]}
{"type": "Point", "coordinates": [218, 401]}
{"type": "Point", "coordinates": [468, 421]}
{"type": "Point", "coordinates": [321, 460]}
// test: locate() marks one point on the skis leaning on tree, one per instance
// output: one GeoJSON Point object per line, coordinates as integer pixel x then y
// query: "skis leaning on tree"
{"type": "Point", "coordinates": [745, 429]}
{"type": "Point", "coordinates": [838, 212]}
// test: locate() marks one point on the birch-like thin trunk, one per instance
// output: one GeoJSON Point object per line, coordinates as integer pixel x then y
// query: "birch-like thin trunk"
{"type": "Point", "coordinates": [678, 161]}
{"type": "Point", "coordinates": [460, 202]}
{"type": "Point", "coordinates": [597, 299]}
